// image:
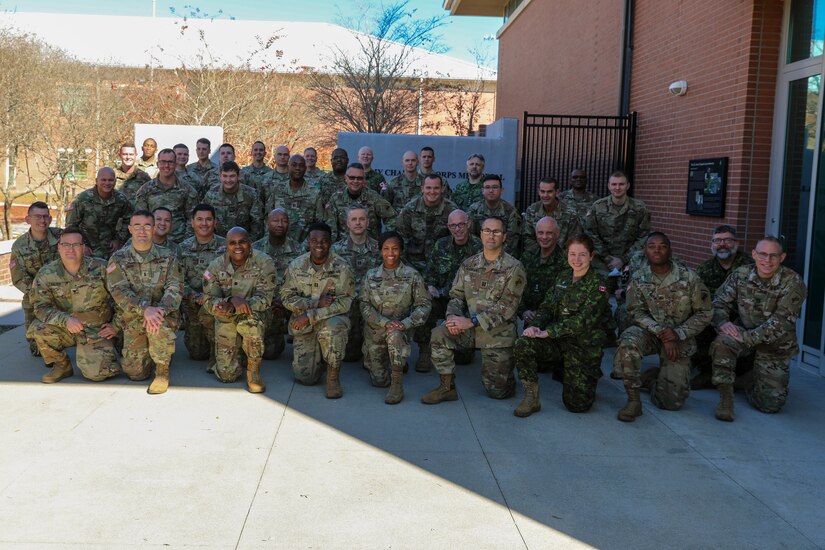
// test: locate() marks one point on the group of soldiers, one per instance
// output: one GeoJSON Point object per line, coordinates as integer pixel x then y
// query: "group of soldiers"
{"type": "Point", "coordinates": [351, 267]}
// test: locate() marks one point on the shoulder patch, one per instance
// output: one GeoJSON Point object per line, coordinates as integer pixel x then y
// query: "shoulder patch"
{"type": "Point", "coordinates": [207, 275]}
{"type": "Point", "coordinates": [602, 288]}
{"type": "Point", "coordinates": [12, 264]}
{"type": "Point", "coordinates": [111, 267]}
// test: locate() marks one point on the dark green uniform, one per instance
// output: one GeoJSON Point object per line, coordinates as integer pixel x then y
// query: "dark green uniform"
{"type": "Point", "coordinates": [466, 194]}
{"type": "Point", "coordinates": [375, 180]}
{"type": "Point", "coordinates": [378, 210]}
{"type": "Point", "coordinates": [567, 219]}
{"type": "Point", "coordinates": [541, 276]}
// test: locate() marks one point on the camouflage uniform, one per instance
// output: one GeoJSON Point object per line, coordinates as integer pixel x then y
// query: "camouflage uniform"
{"type": "Point", "coordinates": [767, 311]}
{"type": "Point", "coordinates": [378, 210]}
{"type": "Point", "coordinates": [328, 185]}
{"type": "Point", "coordinates": [167, 243]}
{"type": "Point", "coordinates": [302, 206]}
{"type": "Point", "coordinates": [242, 208]}
{"type": "Point", "coordinates": [206, 176]}
{"type": "Point", "coordinates": [467, 194]}
{"type": "Point", "coordinates": [375, 180]}
{"type": "Point", "coordinates": [27, 257]}
{"type": "Point", "coordinates": [541, 276]}
{"type": "Point", "coordinates": [199, 326]}
{"type": "Point", "coordinates": [421, 226]}
{"type": "Point", "coordinates": [180, 198]}
{"type": "Point", "coordinates": [361, 258]}
{"type": "Point", "coordinates": [568, 220]}
{"type": "Point", "coordinates": [400, 190]}
{"type": "Point", "coordinates": [314, 177]}
{"type": "Point", "coordinates": [128, 183]}
{"type": "Point", "coordinates": [137, 281]}
{"type": "Point", "coordinates": [579, 205]}
{"type": "Point", "coordinates": [276, 321]}
{"type": "Point", "coordinates": [390, 295]}
{"type": "Point", "coordinates": [253, 281]}
{"type": "Point", "coordinates": [617, 231]}
{"type": "Point", "coordinates": [102, 220]}
{"type": "Point", "coordinates": [150, 165]}
{"type": "Point", "coordinates": [572, 313]}
{"type": "Point", "coordinates": [446, 190]}
{"type": "Point", "coordinates": [490, 291]}
{"type": "Point", "coordinates": [480, 210]}
{"type": "Point", "coordinates": [58, 295]}
{"type": "Point", "coordinates": [677, 300]}
{"type": "Point", "coordinates": [195, 181]}
{"type": "Point", "coordinates": [324, 339]}
{"type": "Point", "coordinates": [256, 177]}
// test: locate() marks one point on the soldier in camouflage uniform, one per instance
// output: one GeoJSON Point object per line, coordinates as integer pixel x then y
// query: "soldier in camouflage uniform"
{"type": "Point", "coordinates": [257, 174]}
{"type": "Point", "coordinates": [238, 289]}
{"type": "Point", "coordinates": [618, 225]}
{"type": "Point", "coordinates": [568, 328]}
{"type": "Point", "coordinates": [361, 253]}
{"type": "Point", "coordinates": [492, 205]}
{"type": "Point", "coordinates": [183, 174]}
{"type": "Point", "coordinates": [204, 169]}
{"type": "Point", "coordinates": [160, 234]}
{"type": "Point", "coordinates": [713, 272]}
{"type": "Point", "coordinates": [196, 253]}
{"type": "Point", "coordinates": [468, 192]}
{"type": "Point", "coordinates": [146, 285]}
{"type": "Point", "coordinates": [73, 309]}
{"type": "Point", "coordinates": [102, 213]}
{"type": "Point", "coordinates": [393, 300]}
{"type": "Point", "coordinates": [577, 196]}
{"type": "Point", "coordinates": [356, 192]}
{"type": "Point", "coordinates": [31, 251]}
{"type": "Point", "coordinates": [280, 174]}
{"type": "Point", "coordinates": [482, 313]}
{"type": "Point", "coordinates": [333, 181]}
{"type": "Point", "coordinates": [236, 204]}
{"type": "Point", "coordinates": [166, 190]}
{"type": "Point", "coordinates": [668, 305]}
{"type": "Point", "coordinates": [543, 266]}
{"type": "Point", "coordinates": [406, 186]}
{"type": "Point", "coordinates": [300, 200]}
{"type": "Point", "coordinates": [129, 177]}
{"type": "Point", "coordinates": [443, 262]}
{"type": "Point", "coordinates": [427, 156]}
{"type": "Point", "coordinates": [282, 249]}
{"type": "Point", "coordinates": [147, 161]}
{"type": "Point", "coordinates": [375, 180]}
{"type": "Point", "coordinates": [548, 204]}
{"type": "Point", "coordinates": [767, 298]}
{"type": "Point", "coordinates": [318, 290]}
{"type": "Point", "coordinates": [313, 173]}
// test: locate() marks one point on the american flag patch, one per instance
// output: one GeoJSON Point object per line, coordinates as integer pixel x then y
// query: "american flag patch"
{"type": "Point", "coordinates": [207, 275]}
{"type": "Point", "coordinates": [12, 264]}
{"type": "Point", "coordinates": [602, 288]}
{"type": "Point", "coordinates": [111, 267]}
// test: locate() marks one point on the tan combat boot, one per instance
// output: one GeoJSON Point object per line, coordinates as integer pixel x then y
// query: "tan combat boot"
{"type": "Point", "coordinates": [161, 382]}
{"type": "Point", "coordinates": [444, 392]}
{"type": "Point", "coordinates": [724, 411]}
{"type": "Point", "coordinates": [254, 383]}
{"type": "Point", "coordinates": [334, 390]}
{"type": "Point", "coordinates": [424, 362]}
{"type": "Point", "coordinates": [530, 403]}
{"type": "Point", "coordinates": [60, 370]}
{"type": "Point", "coordinates": [633, 407]}
{"type": "Point", "coordinates": [396, 391]}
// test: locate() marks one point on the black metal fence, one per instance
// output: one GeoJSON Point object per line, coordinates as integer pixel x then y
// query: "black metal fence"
{"type": "Point", "coordinates": [555, 145]}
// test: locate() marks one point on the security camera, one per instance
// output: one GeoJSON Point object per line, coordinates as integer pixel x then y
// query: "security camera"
{"type": "Point", "coordinates": [678, 88]}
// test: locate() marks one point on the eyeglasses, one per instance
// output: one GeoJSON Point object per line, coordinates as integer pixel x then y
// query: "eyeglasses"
{"type": "Point", "coordinates": [727, 240]}
{"type": "Point", "coordinates": [768, 256]}
{"type": "Point", "coordinates": [357, 178]}
{"type": "Point", "coordinates": [70, 246]}
{"type": "Point", "coordinates": [456, 225]}
{"type": "Point", "coordinates": [493, 232]}
{"type": "Point", "coordinates": [40, 217]}
{"type": "Point", "coordinates": [143, 227]}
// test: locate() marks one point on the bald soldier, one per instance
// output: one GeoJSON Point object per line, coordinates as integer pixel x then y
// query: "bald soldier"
{"type": "Point", "coordinates": [375, 180]}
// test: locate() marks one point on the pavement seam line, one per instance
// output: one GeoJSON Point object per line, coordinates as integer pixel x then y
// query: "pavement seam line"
{"type": "Point", "coordinates": [91, 412]}
{"type": "Point", "coordinates": [266, 463]}
{"type": "Point", "coordinates": [492, 473]}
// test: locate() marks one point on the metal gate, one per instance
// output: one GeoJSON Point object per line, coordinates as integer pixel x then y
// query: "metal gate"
{"type": "Point", "coordinates": [555, 145]}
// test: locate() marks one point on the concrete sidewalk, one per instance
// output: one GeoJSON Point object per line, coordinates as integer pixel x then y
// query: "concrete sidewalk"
{"type": "Point", "coordinates": [208, 465]}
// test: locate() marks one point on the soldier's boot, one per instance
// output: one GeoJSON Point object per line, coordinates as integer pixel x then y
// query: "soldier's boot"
{"type": "Point", "coordinates": [633, 407]}
{"type": "Point", "coordinates": [444, 392]}
{"type": "Point", "coordinates": [254, 383]}
{"type": "Point", "coordinates": [424, 362]}
{"type": "Point", "coordinates": [724, 410]}
{"type": "Point", "coordinates": [33, 349]}
{"type": "Point", "coordinates": [396, 391]}
{"type": "Point", "coordinates": [649, 378]}
{"type": "Point", "coordinates": [530, 403]}
{"type": "Point", "coordinates": [60, 370]}
{"type": "Point", "coordinates": [161, 381]}
{"type": "Point", "coordinates": [334, 390]}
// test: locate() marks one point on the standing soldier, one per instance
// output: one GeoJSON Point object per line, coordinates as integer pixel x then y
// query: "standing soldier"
{"type": "Point", "coordinates": [492, 205]}
{"type": "Point", "coordinates": [313, 173]}
{"type": "Point", "coordinates": [102, 213]}
{"type": "Point", "coordinates": [147, 161]}
{"type": "Point", "coordinates": [375, 179]}
{"type": "Point", "coordinates": [668, 305]}
{"type": "Point", "coordinates": [333, 181]}
{"type": "Point", "coordinates": [468, 192]}
{"type": "Point", "coordinates": [543, 266]}
{"type": "Point", "coordinates": [256, 174]}
{"type": "Point", "coordinates": [318, 290]}
{"type": "Point", "coordinates": [482, 313]}
{"type": "Point", "coordinates": [204, 169]}
{"type": "Point", "coordinates": [280, 175]}
{"type": "Point", "coordinates": [282, 249]}
{"type": "Point", "coordinates": [407, 185]}
{"type": "Point", "coordinates": [166, 190]}
{"type": "Point", "coordinates": [548, 205]}
{"type": "Point", "coordinates": [129, 177]}
{"type": "Point", "coordinates": [361, 252]}
{"type": "Point", "coordinates": [238, 291]}
{"type": "Point", "coordinates": [427, 156]}
{"type": "Point", "coordinates": [31, 251]}
{"type": "Point", "coordinates": [236, 204]}
{"type": "Point", "coordinates": [577, 196]}
{"type": "Point", "coordinates": [73, 309]}
{"type": "Point", "coordinates": [183, 174]}
{"type": "Point", "coordinates": [298, 198]}
{"type": "Point", "coordinates": [356, 192]}
{"type": "Point", "coordinates": [146, 285]}
{"type": "Point", "coordinates": [767, 298]}
{"type": "Point", "coordinates": [196, 253]}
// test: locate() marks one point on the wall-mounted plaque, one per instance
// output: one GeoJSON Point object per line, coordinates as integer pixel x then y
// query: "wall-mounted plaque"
{"type": "Point", "coordinates": [707, 179]}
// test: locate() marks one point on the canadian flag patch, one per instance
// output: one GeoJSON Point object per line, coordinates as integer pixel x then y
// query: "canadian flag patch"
{"type": "Point", "coordinates": [207, 275]}
{"type": "Point", "coordinates": [602, 288]}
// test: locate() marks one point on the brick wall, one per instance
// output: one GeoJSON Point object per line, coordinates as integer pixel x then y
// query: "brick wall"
{"type": "Point", "coordinates": [5, 276]}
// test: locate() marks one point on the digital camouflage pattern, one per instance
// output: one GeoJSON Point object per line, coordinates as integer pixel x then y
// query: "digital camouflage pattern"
{"type": "Point", "coordinates": [328, 185]}
{"type": "Point", "coordinates": [617, 231]}
{"type": "Point", "coordinates": [480, 211]}
{"type": "Point", "coordinates": [256, 177]}
{"type": "Point", "coordinates": [101, 220]}
{"type": "Point", "coordinates": [580, 204]}
{"type": "Point", "coordinates": [541, 276]}
{"type": "Point", "coordinates": [401, 190]}
{"type": "Point", "coordinates": [185, 176]}
{"type": "Point", "coordinates": [180, 198]}
{"type": "Point", "coordinates": [361, 258]}
{"type": "Point", "coordinates": [390, 295]}
{"type": "Point", "coordinates": [150, 165]}
{"type": "Point", "coordinates": [128, 183]}
{"type": "Point", "coordinates": [303, 207]}
{"type": "Point", "coordinates": [206, 176]}
{"type": "Point", "coordinates": [421, 226]}
{"type": "Point", "coordinates": [242, 208]}
{"type": "Point", "coordinates": [314, 177]}
{"type": "Point", "coordinates": [467, 194]}
{"type": "Point", "coordinates": [566, 217]}
{"type": "Point", "coordinates": [445, 259]}
{"type": "Point", "coordinates": [199, 326]}
{"type": "Point", "coordinates": [378, 210]}
{"type": "Point", "coordinates": [375, 180]}
{"type": "Point", "coordinates": [767, 311]}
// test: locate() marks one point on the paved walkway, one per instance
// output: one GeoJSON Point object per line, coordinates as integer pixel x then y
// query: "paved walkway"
{"type": "Point", "coordinates": [208, 465]}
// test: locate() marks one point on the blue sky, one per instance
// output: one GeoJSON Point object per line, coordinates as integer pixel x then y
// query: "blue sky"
{"type": "Point", "coordinates": [459, 35]}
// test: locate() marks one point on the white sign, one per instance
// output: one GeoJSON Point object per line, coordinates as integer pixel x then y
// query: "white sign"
{"type": "Point", "coordinates": [169, 135]}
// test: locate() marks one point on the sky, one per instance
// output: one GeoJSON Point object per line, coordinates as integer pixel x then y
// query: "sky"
{"type": "Point", "coordinates": [459, 35]}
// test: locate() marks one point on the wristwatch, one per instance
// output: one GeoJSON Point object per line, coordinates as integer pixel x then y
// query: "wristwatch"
{"type": "Point", "coordinates": [474, 319]}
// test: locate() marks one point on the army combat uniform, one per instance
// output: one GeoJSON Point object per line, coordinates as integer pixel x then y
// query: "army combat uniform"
{"type": "Point", "coordinates": [567, 219]}
{"type": "Point", "coordinates": [480, 211]}
{"type": "Point", "coordinates": [242, 208]}
{"type": "Point", "coordinates": [378, 210]}
{"type": "Point", "coordinates": [180, 198]}
{"type": "Point", "coordinates": [206, 176]}
{"type": "Point", "coordinates": [767, 311]}
{"type": "Point", "coordinates": [678, 300]}
{"type": "Point", "coordinates": [401, 190]}
{"type": "Point", "coordinates": [102, 220]}
{"type": "Point", "coordinates": [617, 231]}
{"type": "Point", "coordinates": [467, 194]}
{"type": "Point", "coordinates": [375, 180]}
{"type": "Point", "coordinates": [255, 282]}
{"type": "Point", "coordinates": [302, 205]}
{"type": "Point", "coordinates": [314, 177]}
{"type": "Point", "coordinates": [58, 295]}
{"type": "Point", "coordinates": [324, 339]}
{"type": "Point", "coordinates": [361, 258]}
{"type": "Point", "coordinates": [421, 226]}
{"type": "Point", "coordinates": [579, 204]}
{"type": "Point", "coordinates": [256, 177]}
{"type": "Point", "coordinates": [128, 183]}
{"type": "Point", "coordinates": [573, 314]}
{"type": "Point", "coordinates": [328, 185]}
{"type": "Point", "coordinates": [390, 295]}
